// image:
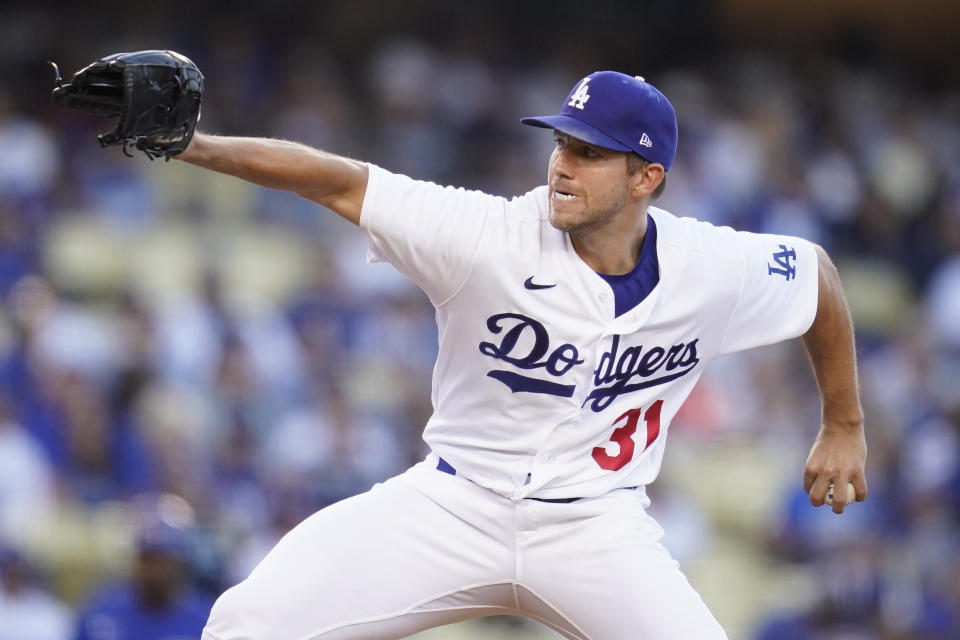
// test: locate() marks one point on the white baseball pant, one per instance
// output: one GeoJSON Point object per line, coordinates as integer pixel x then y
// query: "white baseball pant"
{"type": "Point", "coordinates": [427, 548]}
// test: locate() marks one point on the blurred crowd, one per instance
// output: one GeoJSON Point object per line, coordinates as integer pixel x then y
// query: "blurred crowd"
{"type": "Point", "coordinates": [173, 337]}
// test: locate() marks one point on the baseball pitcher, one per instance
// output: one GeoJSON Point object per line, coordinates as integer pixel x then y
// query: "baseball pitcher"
{"type": "Point", "coordinates": [573, 322]}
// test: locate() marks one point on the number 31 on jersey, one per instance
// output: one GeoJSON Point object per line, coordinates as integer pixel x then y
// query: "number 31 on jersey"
{"type": "Point", "coordinates": [623, 436]}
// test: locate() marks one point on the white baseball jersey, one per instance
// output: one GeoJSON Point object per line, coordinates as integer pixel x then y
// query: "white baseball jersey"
{"type": "Point", "coordinates": [541, 389]}
{"type": "Point", "coordinates": [548, 385]}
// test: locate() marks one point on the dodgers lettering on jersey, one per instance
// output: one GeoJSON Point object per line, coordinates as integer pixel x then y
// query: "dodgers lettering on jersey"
{"type": "Point", "coordinates": [540, 389]}
{"type": "Point", "coordinates": [612, 377]}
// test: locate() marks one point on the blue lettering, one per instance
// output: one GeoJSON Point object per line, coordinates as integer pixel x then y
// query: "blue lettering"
{"type": "Point", "coordinates": [652, 360]}
{"type": "Point", "coordinates": [632, 364]}
{"type": "Point", "coordinates": [628, 361]}
{"type": "Point", "coordinates": [604, 372]}
{"type": "Point", "coordinates": [690, 354]}
{"type": "Point", "coordinates": [565, 353]}
{"type": "Point", "coordinates": [783, 267]}
{"type": "Point", "coordinates": [672, 361]}
{"type": "Point", "coordinates": [561, 360]}
{"type": "Point", "coordinates": [613, 374]}
{"type": "Point", "coordinates": [510, 338]}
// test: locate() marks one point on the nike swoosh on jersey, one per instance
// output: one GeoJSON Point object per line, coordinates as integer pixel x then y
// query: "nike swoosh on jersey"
{"type": "Point", "coordinates": [529, 284]}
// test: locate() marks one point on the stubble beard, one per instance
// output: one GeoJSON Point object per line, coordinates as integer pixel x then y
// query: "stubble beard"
{"type": "Point", "coordinates": [590, 219]}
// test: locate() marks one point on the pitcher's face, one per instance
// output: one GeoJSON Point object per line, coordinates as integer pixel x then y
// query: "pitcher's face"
{"type": "Point", "coordinates": [588, 185]}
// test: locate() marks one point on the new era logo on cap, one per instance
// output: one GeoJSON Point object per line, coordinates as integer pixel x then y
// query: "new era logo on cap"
{"type": "Point", "coordinates": [625, 113]}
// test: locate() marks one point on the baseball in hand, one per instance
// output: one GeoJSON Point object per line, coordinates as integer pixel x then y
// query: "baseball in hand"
{"type": "Point", "coordinates": [851, 494]}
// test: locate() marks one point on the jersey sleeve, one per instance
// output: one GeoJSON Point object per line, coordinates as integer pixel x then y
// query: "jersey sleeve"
{"type": "Point", "coordinates": [431, 234]}
{"type": "Point", "coordinates": [778, 293]}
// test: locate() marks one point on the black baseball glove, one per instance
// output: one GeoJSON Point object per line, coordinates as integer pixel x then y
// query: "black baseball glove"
{"type": "Point", "coordinates": [155, 94]}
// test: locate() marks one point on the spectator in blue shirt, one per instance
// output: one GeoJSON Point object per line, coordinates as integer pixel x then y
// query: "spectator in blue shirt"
{"type": "Point", "coordinates": [156, 603]}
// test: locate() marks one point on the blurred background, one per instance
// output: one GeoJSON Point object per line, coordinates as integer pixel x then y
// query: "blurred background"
{"type": "Point", "coordinates": [190, 365]}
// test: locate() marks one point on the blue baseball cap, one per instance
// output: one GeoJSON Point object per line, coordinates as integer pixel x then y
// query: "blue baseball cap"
{"type": "Point", "coordinates": [620, 112]}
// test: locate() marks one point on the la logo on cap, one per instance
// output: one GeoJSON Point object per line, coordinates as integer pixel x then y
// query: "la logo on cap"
{"type": "Point", "coordinates": [580, 96]}
{"type": "Point", "coordinates": [645, 141]}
